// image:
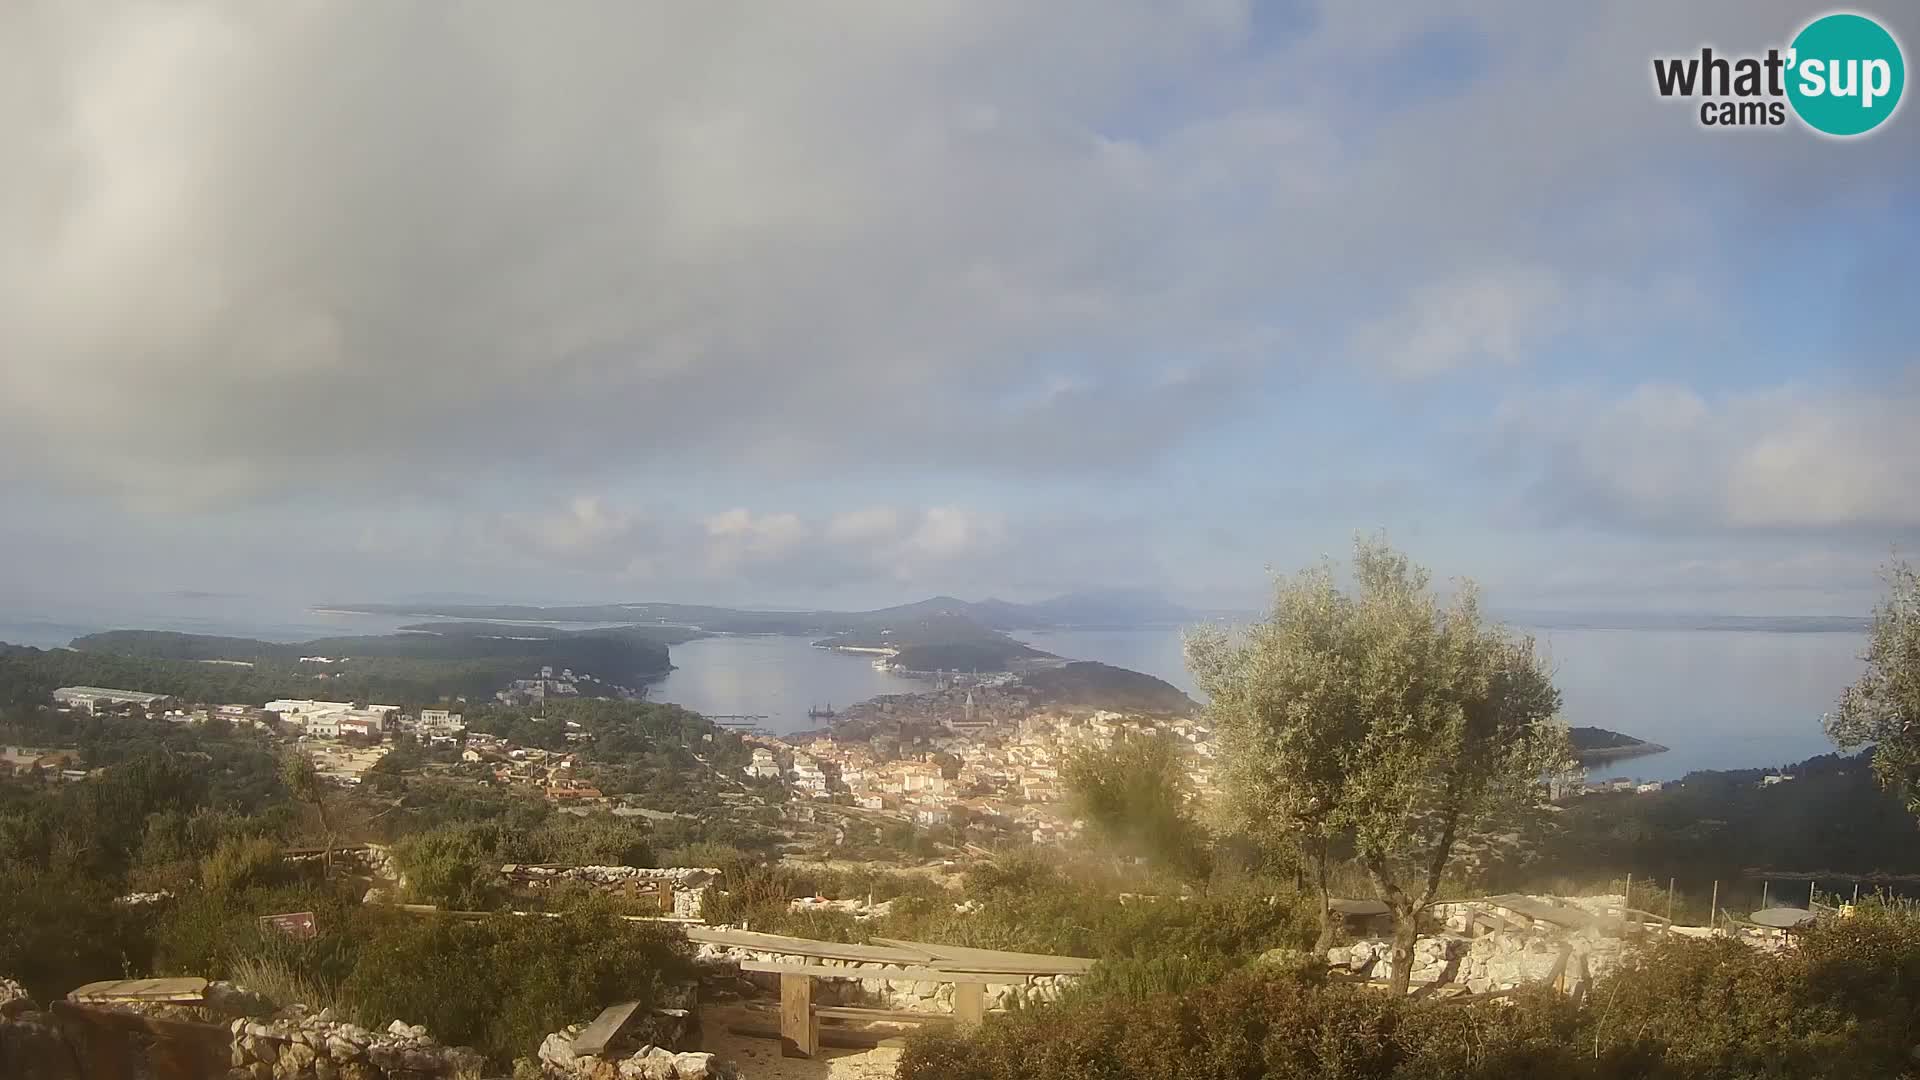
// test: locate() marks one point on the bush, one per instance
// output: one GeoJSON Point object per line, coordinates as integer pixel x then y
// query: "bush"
{"type": "Point", "coordinates": [453, 868]}
{"type": "Point", "coordinates": [243, 863]}
{"type": "Point", "coordinates": [58, 931]}
{"type": "Point", "coordinates": [502, 983]}
{"type": "Point", "coordinates": [1845, 1003]}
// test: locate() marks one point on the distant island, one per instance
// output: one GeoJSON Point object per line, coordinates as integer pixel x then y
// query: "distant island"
{"type": "Point", "coordinates": [1093, 609]}
{"type": "Point", "coordinates": [1593, 745]}
{"type": "Point", "coordinates": [471, 660]}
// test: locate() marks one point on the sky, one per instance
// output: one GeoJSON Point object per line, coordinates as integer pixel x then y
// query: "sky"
{"type": "Point", "coordinates": [853, 302]}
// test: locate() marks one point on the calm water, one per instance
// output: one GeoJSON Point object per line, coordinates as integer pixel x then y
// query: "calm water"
{"type": "Point", "coordinates": [776, 677]}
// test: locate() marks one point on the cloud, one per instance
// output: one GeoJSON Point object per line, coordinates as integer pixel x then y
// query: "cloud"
{"type": "Point", "coordinates": [352, 246]}
{"type": "Point", "coordinates": [1794, 457]}
{"type": "Point", "coordinates": [737, 551]}
{"type": "Point", "coordinates": [1493, 317]}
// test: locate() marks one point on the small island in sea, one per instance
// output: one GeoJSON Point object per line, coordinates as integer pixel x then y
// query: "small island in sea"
{"type": "Point", "coordinates": [1592, 745]}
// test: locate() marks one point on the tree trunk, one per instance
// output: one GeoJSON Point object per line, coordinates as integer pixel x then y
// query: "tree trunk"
{"type": "Point", "coordinates": [1406, 926]}
{"type": "Point", "coordinates": [1325, 940]}
{"type": "Point", "coordinates": [1406, 921]}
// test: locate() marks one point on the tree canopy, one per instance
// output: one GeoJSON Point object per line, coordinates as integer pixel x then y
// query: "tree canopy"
{"type": "Point", "coordinates": [1381, 716]}
{"type": "Point", "coordinates": [1883, 707]}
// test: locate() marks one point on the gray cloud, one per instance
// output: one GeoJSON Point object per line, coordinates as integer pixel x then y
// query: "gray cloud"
{"type": "Point", "coordinates": [1790, 458]}
{"type": "Point", "coordinates": [489, 240]}
{"type": "Point", "coordinates": [743, 552]}
{"type": "Point", "coordinates": [425, 267]}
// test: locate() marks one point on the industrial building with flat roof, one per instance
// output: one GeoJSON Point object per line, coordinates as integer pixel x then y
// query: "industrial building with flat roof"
{"type": "Point", "coordinates": [92, 697]}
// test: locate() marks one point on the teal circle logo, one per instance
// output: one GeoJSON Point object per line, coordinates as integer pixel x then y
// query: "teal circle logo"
{"type": "Point", "coordinates": [1845, 74]}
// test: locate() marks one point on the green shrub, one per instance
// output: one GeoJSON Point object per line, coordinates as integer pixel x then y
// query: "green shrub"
{"type": "Point", "coordinates": [455, 868]}
{"type": "Point", "coordinates": [242, 863]}
{"type": "Point", "coordinates": [1845, 1003]}
{"type": "Point", "coordinates": [502, 983]}
{"type": "Point", "coordinates": [58, 931]}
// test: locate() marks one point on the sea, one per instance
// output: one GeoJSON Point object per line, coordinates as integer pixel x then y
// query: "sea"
{"type": "Point", "coordinates": [1718, 699]}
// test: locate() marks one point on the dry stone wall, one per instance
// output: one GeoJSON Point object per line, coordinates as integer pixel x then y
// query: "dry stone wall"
{"type": "Point", "coordinates": [870, 983]}
{"type": "Point", "coordinates": [690, 883]}
{"type": "Point", "coordinates": [296, 1045]}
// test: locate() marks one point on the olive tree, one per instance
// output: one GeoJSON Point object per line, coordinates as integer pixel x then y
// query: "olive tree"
{"type": "Point", "coordinates": [1380, 716]}
{"type": "Point", "coordinates": [1134, 793]}
{"type": "Point", "coordinates": [1883, 707]}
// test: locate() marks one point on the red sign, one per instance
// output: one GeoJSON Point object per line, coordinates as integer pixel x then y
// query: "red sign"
{"type": "Point", "coordinates": [297, 924]}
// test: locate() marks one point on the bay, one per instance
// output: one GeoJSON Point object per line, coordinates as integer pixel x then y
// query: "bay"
{"type": "Point", "coordinates": [778, 677]}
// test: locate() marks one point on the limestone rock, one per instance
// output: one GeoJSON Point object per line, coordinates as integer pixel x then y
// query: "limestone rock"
{"type": "Point", "coordinates": [693, 1066]}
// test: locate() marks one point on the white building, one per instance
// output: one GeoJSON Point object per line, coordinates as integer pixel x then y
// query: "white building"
{"type": "Point", "coordinates": [92, 697]}
{"type": "Point", "coordinates": [808, 776]}
{"type": "Point", "coordinates": [321, 725]}
{"type": "Point", "coordinates": [304, 709]}
{"type": "Point", "coordinates": [440, 722]}
{"type": "Point", "coordinates": [763, 766]}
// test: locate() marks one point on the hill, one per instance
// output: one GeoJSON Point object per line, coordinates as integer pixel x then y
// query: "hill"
{"type": "Point", "coordinates": [1103, 686]}
{"type": "Point", "coordinates": [943, 641]}
{"type": "Point", "coordinates": [1592, 744]}
{"type": "Point", "coordinates": [408, 667]}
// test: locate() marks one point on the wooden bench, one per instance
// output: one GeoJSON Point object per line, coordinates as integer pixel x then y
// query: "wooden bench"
{"type": "Point", "coordinates": [800, 1017]}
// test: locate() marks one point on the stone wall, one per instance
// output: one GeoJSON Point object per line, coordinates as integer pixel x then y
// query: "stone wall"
{"type": "Point", "coordinates": [369, 860]}
{"type": "Point", "coordinates": [869, 983]}
{"type": "Point", "coordinates": [296, 1045]}
{"type": "Point", "coordinates": [690, 883]}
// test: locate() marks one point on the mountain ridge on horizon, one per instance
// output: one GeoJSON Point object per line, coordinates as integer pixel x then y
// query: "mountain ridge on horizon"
{"type": "Point", "coordinates": [1082, 609]}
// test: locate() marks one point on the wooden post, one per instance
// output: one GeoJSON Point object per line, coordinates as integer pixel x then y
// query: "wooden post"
{"type": "Point", "coordinates": [1670, 905]}
{"type": "Point", "coordinates": [1713, 909]}
{"type": "Point", "coordinates": [1764, 886]}
{"type": "Point", "coordinates": [1812, 887]}
{"type": "Point", "coordinates": [799, 1030]}
{"type": "Point", "coordinates": [666, 896]}
{"type": "Point", "coordinates": [969, 1003]}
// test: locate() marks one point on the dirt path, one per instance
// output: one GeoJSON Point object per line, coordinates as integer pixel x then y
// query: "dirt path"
{"type": "Point", "coordinates": [759, 1059]}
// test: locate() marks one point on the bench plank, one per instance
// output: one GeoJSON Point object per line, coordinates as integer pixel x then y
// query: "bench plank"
{"type": "Point", "coordinates": [916, 974]}
{"type": "Point", "coordinates": [897, 1016]}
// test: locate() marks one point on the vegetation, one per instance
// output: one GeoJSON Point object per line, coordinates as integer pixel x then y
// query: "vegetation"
{"type": "Point", "coordinates": [1135, 795]}
{"type": "Point", "coordinates": [519, 978]}
{"type": "Point", "coordinates": [1381, 717]}
{"type": "Point", "coordinates": [1882, 707]}
{"type": "Point", "coordinates": [1840, 1006]}
{"type": "Point", "coordinates": [1103, 686]}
